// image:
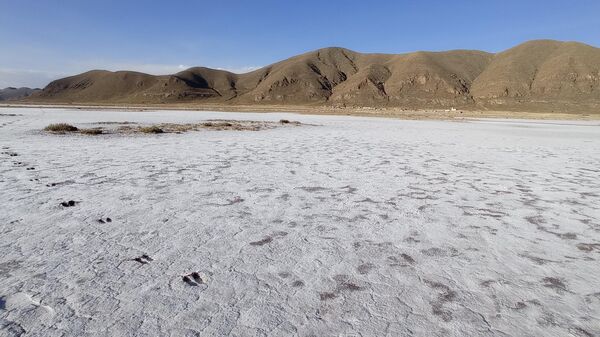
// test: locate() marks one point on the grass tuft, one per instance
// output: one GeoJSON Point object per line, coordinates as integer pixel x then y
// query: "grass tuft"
{"type": "Point", "coordinates": [151, 129]}
{"type": "Point", "coordinates": [91, 131]}
{"type": "Point", "coordinates": [60, 127]}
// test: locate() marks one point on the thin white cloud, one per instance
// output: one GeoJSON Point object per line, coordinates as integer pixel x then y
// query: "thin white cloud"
{"type": "Point", "coordinates": [240, 70]}
{"type": "Point", "coordinates": [40, 78]}
{"type": "Point", "coordinates": [26, 78]}
{"type": "Point", "coordinates": [149, 68]}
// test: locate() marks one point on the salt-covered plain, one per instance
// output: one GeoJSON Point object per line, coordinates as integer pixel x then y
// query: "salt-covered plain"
{"type": "Point", "coordinates": [347, 226]}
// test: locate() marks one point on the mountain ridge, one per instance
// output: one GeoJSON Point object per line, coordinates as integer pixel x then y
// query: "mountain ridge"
{"type": "Point", "coordinates": [13, 93]}
{"type": "Point", "coordinates": [542, 73]}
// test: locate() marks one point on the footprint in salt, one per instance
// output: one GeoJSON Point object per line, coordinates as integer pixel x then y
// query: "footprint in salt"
{"type": "Point", "coordinates": [69, 203]}
{"type": "Point", "coordinates": [193, 279]}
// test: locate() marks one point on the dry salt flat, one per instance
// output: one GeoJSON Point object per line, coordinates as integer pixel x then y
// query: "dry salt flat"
{"type": "Point", "coordinates": [346, 227]}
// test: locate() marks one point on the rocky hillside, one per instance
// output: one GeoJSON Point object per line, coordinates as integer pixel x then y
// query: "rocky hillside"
{"type": "Point", "coordinates": [541, 74]}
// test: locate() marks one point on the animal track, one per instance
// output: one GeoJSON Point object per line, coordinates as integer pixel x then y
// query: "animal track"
{"type": "Point", "coordinates": [268, 238]}
{"type": "Point", "coordinates": [327, 296]}
{"type": "Point", "coordinates": [554, 283]}
{"type": "Point", "coordinates": [406, 260]}
{"type": "Point", "coordinates": [365, 268]}
{"type": "Point", "coordinates": [235, 200]}
{"type": "Point", "coordinates": [104, 220]}
{"type": "Point", "coordinates": [59, 183]}
{"type": "Point", "coordinates": [193, 279]}
{"type": "Point", "coordinates": [343, 284]}
{"type": "Point", "coordinates": [144, 259]}
{"type": "Point", "coordinates": [588, 247]}
{"type": "Point", "coordinates": [262, 242]}
{"type": "Point", "coordinates": [349, 189]}
{"type": "Point", "coordinates": [445, 295]}
{"type": "Point", "coordinates": [69, 203]}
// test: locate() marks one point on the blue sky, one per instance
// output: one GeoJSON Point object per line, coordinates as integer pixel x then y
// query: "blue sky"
{"type": "Point", "coordinates": [46, 39]}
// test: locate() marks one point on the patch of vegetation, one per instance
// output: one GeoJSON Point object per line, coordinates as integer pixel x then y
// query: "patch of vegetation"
{"type": "Point", "coordinates": [60, 127]}
{"type": "Point", "coordinates": [128, 128]}
{"type": "Point", "coordinates": [91, 131]}
{"type": "Point", "coordinates": [151, 129]}
{"type": "Point", "coordinates": [116, 123]}
{"type": "Point", "coordinates": [177, 128]}
{"type": "Point", "coordinates": [217, 124]}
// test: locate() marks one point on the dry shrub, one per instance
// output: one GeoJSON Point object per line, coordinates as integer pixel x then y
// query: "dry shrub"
{"type": "Point", "coordinates": [60, 127]}
{"type": "Point", "coordinates": [178, 128]}
{"type": "Point", "coordinates": [91, 131]}
{"type": "Point", "coordinates": [217, 124]}
{"type": "Point", "coordinates": [151, 129]}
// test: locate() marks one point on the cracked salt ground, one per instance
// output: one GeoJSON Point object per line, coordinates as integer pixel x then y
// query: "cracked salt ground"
{"type": "Point", "coordinates": [354, 226]}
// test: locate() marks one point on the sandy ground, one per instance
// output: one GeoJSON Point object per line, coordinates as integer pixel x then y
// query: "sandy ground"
{"type": "Point", "coordinates": [353, 227]}
{"type": "Point", "coordinates": [395, 113]}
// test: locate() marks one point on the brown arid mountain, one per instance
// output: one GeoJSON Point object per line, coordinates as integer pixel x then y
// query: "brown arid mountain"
{"type": "Point", "coordinates": [537, 75]}
{"type": "Point", "coordinates": [543, 73]}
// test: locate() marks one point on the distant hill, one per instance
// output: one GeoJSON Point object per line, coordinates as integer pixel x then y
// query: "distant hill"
{"type": "Point", "coordinates": [11, 93]}
{"type": "Point", "coordinates": [542, 74]}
